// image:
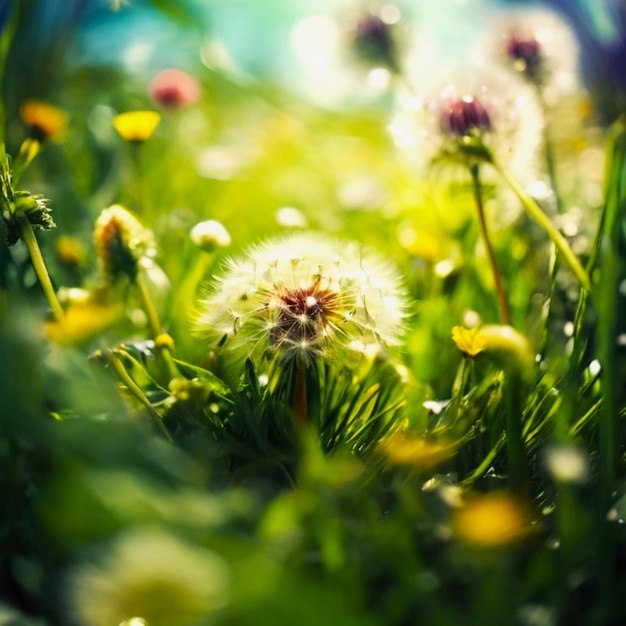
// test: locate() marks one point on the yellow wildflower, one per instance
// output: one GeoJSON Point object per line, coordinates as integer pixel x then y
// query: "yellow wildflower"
{"type": "Point", "coordinates": [45, 120]}
{"type": "Point", "coordinates": [417, 452]}
{"type": "Point", "coordinates": [492, 520]}
{"type": "Point", "coordinates": [81, 322]}
{"type": "Point", "coordinates": [468, 340]}
{"type": "Point", "coordinates": [508, 345]}
{"type": "Point", "coordinates": [70, 250]}
{"type": "Point", "coordinates": [136, 126]}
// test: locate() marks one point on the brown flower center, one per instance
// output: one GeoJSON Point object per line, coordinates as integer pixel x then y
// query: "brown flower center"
{"type": "Point", "coordinates": [300, 316]}
{"type": "Point", "coordinates": [464, 116]}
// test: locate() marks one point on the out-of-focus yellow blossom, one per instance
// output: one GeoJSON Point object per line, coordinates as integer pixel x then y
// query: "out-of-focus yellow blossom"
{"type": "Point", "coordinates": [45, 120]}
{"type": "Point", "coordinates": [136, 126]}
{"type": "Point", "coordinates": [492, 520]}
{"type": "Point", "coordinates": [70, 250]}
{"type": "Point", "coordinates": [418, 453]}
{"type": "Point", "coordinates": [508, 344]}
{"type": "Point", "coordinates": [468, 340]}
{"type": "Point", "coordinates": [81, 322]}
{"type": "Point", "coordinates": [420, 244]}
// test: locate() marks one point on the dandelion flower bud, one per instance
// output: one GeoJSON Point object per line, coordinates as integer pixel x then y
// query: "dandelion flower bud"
{"type": "Point", "coordinates": [210, 235]}
{"type": "Point", "coordinates": [121, 243]}
{"type": "Point", "coordinates": [304, 298]}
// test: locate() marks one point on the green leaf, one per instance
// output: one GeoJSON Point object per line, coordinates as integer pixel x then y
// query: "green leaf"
{"type": "Point", "coordinates": [206, 377]}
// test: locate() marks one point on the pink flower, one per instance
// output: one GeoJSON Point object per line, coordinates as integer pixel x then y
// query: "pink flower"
{"type": "Point", "coordinates": [174, 89]}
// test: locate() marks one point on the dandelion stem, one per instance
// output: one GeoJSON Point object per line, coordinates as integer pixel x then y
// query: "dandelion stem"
{"type": "Point", "coordinates": [136, 391]}
{"type": "Point", "coordinates": [149, 308]}
{"type": "Point", "coordinates": [156, 329]}
{"type": "Point", "coordinates": [519, 479]}
{"type": "Point", "coordinates": [544, 221]}
{"type": "Point", "coordinates": [28, 237]}
{"type": "Point", "coordinates": [478, 198]}
{"type": "Point", "coordinates": [299, 396]}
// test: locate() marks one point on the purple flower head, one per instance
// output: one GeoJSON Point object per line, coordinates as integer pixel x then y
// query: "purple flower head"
{"type": "Point", "coordinates": [466, 115]}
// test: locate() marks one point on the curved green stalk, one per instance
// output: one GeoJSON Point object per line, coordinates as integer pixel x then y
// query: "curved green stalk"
{"type": "Point", "coordinates": [484, 233]}
{"type": "Point", "coordinates": [156, 329]}
{"type": "Point", "coordinates": [136, 391]}
{"type": "Point", "coordinates": [28, 237]}
{"type": "Point", "coordinates": [544, 221]}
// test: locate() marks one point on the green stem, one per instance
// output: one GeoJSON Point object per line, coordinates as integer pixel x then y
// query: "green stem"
{"type": "Point", "coordinates": [544, 221]}
{"type": "Point", "coordinates": [519, 479]}
{"type": "Point", "coordinates": [149, 308]}
{"type": "Point", "coordinates": [28, 237]}
{"type": "Point", "coordinates": [136, 391]}
{"type": "Point", "coordinates": [156, 329]}
{"type": "Point", "coordinates": [300, 412]}
{"type": "Point", "coordinates": [484, 233]}
{"type": "Point", "coordinates": [485, 464]}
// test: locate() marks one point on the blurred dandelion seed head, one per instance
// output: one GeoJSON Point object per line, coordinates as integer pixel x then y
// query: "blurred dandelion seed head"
{"type": "Point", "coordinates": [150, 576]}
{"type": "Point", "coordinates": [210, 235]}
{"type": "Point", "coordinates": [567, 463]}
{"type": "Point", "coordinates": [540, 46]}
{"type": "Point", "coordinates": [372, 41]}
{"type": "Point", "coordinates": [491, 115]}
{"type": "Point", "coordinates": [305, 298]}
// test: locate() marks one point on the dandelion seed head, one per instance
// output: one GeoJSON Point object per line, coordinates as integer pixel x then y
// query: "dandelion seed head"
{"type": "Point", "coordinates": [149, 576]}
{"type": "Point", "coordinates": [492, 108]}
{"type": "Point", "coordinates": [304, 298]}
{"type": "Point", "coordinates": [538, 45]}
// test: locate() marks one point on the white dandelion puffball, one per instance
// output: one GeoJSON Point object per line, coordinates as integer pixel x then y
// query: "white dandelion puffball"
{"type": "Point", "coordinates": [493, 106]}
{"type": "Point", "coordinates": [303, 298]}
{"type": "Point", "coordinates": [538, 45]}
{"type": "Point", "coordinates": [151, 576]}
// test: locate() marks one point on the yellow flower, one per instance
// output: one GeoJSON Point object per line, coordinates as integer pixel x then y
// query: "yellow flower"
{"type": "Point", "coordinates": [508, 345]}
{"type": "Point", "coordinates": [70, 250]}
{"type": "Point", "coordinates": [81, 322]}
{"type": "Point", "coordinates": [136, 126]}
{"type": "Point", "coordinates": [45, 120]}
{"type": "Point", "coordinates": [492, 520]}
{"type": "Point", "coordinates": [468, 340]}
{"type": "Point", "coordinates": [417, 452]}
